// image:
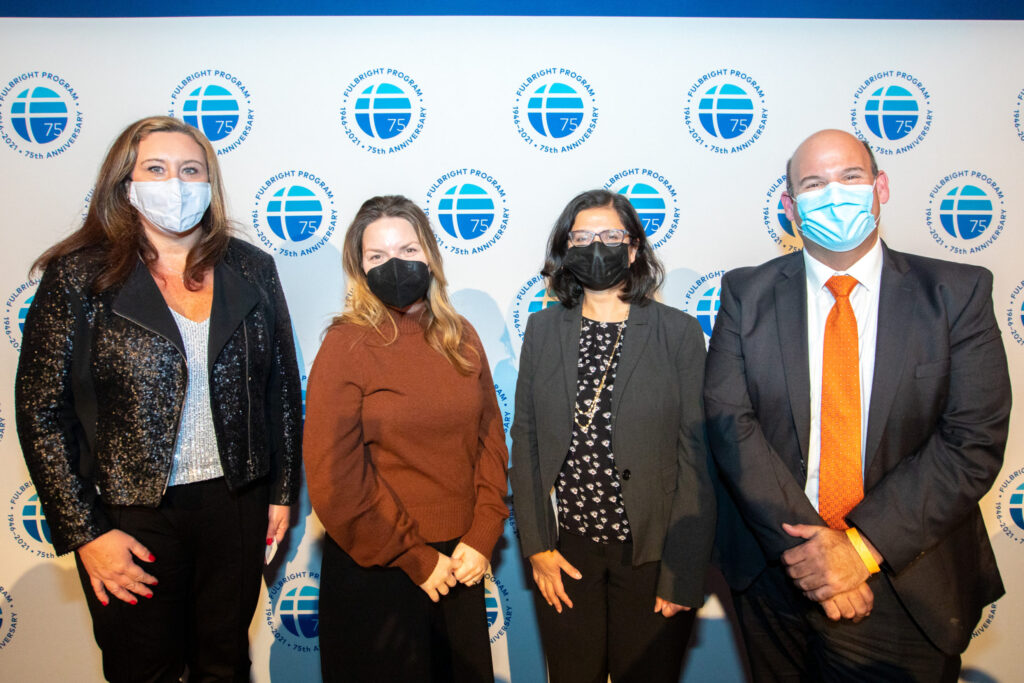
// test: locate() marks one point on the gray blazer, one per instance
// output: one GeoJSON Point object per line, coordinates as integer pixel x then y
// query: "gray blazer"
{"type": "Point", "coordinates": [657, 439]}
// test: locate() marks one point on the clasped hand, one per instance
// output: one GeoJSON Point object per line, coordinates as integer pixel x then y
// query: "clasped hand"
{"type": "Point", "coordinates": [466, 565]}
{"type": "Point", "coordinates": [827, 568]}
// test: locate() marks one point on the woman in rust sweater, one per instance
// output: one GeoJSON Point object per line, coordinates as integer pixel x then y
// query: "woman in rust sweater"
{"type": "Point", "coordinates": [405, 462]}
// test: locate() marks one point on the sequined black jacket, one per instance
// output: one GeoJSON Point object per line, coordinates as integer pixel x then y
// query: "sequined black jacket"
{"type": "Point", "coordinates": [101, 383]}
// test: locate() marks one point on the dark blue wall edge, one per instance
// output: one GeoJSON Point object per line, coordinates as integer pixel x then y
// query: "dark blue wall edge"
{"type": "Point", "coordinates": [821, 9]}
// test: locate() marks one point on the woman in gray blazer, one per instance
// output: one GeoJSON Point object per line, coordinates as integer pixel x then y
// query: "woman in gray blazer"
{"type": "Point", "coordinates": [609, 463]}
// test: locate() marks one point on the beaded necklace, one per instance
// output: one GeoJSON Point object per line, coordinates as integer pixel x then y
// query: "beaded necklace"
{"type": "Point", "coordinates": [590, 412]}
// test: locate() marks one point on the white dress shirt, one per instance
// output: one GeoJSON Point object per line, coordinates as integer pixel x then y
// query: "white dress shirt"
{"type": "Point", "coordinates": [864, 300]}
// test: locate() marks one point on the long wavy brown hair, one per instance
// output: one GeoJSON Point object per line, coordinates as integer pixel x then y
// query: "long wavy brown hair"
{"type": "Point", "coordinates": [444, 329]}
{"type": "Point", "coordinates": [113, 223]}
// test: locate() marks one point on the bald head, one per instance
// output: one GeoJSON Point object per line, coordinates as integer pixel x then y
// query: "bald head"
{"type": "Point", "coordinates": [833, 156]}
{"type": "Point", "coordinates": [828, 151]}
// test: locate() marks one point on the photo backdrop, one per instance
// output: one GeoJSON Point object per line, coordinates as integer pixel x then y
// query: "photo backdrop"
{"type": "Point", "coordinates": [492, 123]}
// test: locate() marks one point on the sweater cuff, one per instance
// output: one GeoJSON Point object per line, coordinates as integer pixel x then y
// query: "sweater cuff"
{"type": "Point", "coordinates": [483, 535]}
{"type": "Point", "coordinates": [418, 562]}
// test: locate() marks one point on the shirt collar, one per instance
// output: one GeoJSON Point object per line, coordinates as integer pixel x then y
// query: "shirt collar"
{"type": "Point", "coordinates": [867, 270]}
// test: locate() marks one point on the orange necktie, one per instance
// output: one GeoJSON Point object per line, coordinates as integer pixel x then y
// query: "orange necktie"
{"type": "Point", "coordinates": [840, 483]}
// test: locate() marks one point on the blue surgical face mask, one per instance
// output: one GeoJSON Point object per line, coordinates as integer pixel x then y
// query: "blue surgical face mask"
{"type": "Point", "coordinates": [171, 204]}
{"type": "Point", "coordinates": [837, 217]}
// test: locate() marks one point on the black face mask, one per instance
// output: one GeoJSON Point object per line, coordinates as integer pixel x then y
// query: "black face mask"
{"type": "Point", "coordinates": [598, 266]}
{"type": "Point", "coordinates": [398, 282]}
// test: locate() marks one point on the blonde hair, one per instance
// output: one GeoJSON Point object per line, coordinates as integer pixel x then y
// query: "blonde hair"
{"type": "Point", "coordinates": [444, 329]}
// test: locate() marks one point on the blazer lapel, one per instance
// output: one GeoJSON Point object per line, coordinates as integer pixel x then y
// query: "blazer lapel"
{"type": "Point", "coordinates": [141, 302]}
{"type": "Point", "coordinates": [634, 340]}
{"type": "Point", "coordinates": [233, 298]}
{"type": "Point", "coordinates": [791, 317]}
{"type": "Point", "coordinates": [569, 334]}
{"type": "Point", "coordinates": [895, 308]}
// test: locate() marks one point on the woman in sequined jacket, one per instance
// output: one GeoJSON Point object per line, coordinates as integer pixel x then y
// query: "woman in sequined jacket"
{"type": "Point", "coordinates": [159, 410]}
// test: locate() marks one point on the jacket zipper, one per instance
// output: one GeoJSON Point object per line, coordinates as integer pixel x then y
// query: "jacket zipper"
{"type": "Point", "coordinates": [248, 396]}
{"type": "Point", "coordinates": [181, 404]}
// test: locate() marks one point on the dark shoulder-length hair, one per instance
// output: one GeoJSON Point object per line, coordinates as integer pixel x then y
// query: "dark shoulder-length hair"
{"type": "Point", "coordinates": [645, 274]}
{"type": "Point", "coordinates": [113, 224]}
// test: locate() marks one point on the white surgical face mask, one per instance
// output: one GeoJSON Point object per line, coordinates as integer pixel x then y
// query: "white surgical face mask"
{"type": "Point", "coordinates": [171, 204]}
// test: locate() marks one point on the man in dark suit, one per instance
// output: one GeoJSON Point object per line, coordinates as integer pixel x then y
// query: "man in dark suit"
{"type": "Point", "coordinates": [857, 402]}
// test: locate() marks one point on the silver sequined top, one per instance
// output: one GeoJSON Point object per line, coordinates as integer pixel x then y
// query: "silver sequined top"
{"type": "Point", "coordinates": [195, 452]}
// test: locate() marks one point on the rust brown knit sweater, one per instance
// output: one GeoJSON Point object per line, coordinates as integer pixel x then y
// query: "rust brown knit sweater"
{"type": "Point", "coordinates": [400, 449]}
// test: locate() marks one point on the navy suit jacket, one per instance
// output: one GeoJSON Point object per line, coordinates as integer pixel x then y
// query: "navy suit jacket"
{"type": "Point", "coordinates": [937, 427]}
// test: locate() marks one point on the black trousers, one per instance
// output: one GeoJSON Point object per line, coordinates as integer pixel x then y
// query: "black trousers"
{"type": "Point", "coordinates": [209, 545]}
{"type": "Point", "coordinates": [612, 628]}
{"type": "Point", "coordinates": [377, 626]}
{"type": "Point", "coordinates": [789, 638]}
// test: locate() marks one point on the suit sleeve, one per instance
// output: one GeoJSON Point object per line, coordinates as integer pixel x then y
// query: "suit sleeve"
{"type": "Point", "coordinates": [931, 491]}
{"type": "Point", "coordinates": [491, 474]}
{"type": "Point", "coordinates": [530, 502]}
{"type": "Point", "coordinates": [51, 436]}
{"type": "Point", "coordinates": [357, 508]}
{"type": "Point", "coordinates": [763, 488]}
{"type": "Point", "coordinates": [691, 526]}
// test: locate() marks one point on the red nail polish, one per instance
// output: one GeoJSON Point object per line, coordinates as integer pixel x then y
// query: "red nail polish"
{"type": "Point", "coordinates": [152, 557]}
{"type": "Point", "coordinates": [135, 602]}
{"type": "Point", "coordinates": [105, 603]}
{"type": "Point", "coordinates": [149, 596]}
{"type": "Point", "coordinates": [155, 582]}
{"type": "Point", "coordinates": [270, 541]}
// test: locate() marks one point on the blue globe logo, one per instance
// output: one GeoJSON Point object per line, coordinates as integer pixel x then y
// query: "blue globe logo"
{"type": "Point", "coordinates": [965, 212]}
{"type": "Point", "coordinates": [725, 111]}
{"type": "Point", "coordinates": [891, 112]}
{"type": "Point", "coordinates": [33, 521]}
{"type": "Point", "coordinates": [649, 205]}
{"type": "Point", "coordinates": [383, 111]}
{"type": "Point", "coordinates": [465, 211]}
{"type": "Point", "coordinates": [1017, 506]}
{"type": "Point", "coordinates": [707, 309]}
{"type": "Point", "coordinates": [299, 610]}
{"type": "Point", "coordinates": [295, 213]}
{"type": "Point", "coordinates": [555, 110]}
{"type": "Point", "coordinates": [23, 312]}
{"type": "Point", "coordinates": [1022, 313]}
{"type": "Point", "coordinates": [540, 301]}
{"type": "Point", "coordinates": [784, 222]}
{"type": "Point", "coordinates": [213, 110]}
{"type": "Point", "coordinates": [39, 115]}
{"type": "Point", "coordinates": [492, 607]}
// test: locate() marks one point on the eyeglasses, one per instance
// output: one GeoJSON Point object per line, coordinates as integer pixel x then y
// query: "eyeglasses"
{"type": "Point", "coordinates": [582, 238]}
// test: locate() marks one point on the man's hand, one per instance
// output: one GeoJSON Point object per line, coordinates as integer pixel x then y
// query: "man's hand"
{"type": "Point", "coordinates": [826, 564]}
{"type": "Point", "coordinates": [854, 605]}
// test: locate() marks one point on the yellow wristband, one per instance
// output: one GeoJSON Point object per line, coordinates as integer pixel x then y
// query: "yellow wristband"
{"type": "Point", "coordinates": [862, 550]}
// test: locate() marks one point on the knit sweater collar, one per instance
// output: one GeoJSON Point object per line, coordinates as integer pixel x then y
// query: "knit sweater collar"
{"type": "Point", "coordinates": [410, 321]}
